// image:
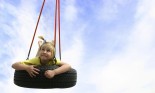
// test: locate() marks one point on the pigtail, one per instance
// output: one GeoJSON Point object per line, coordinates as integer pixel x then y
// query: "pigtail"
{"type": "Point", "coordinates": [52, 42]}
{"type": "Point", "coordinates": [40, 42]}
{"type": "Point", "coordinates": [42, 38]}
{"type": "Point", "coordinates": [54, 61]}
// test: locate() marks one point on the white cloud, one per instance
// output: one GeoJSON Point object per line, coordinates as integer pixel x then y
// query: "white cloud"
{"type": "Point", "coordinates": [128, 72]}
{"type": "Point", "coordinates": [107, 11]}
{"type": "Point", "coordinates": [70, 11]}
{"type": "Point", "coordinates": [123, 73]}
{"type": "Point", "coordinates": [74, 54]}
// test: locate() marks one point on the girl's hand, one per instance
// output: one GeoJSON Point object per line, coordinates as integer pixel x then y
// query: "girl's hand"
{"type": "Point", "coordinates": [49, 73]}
{"type": "Point", "coordinates": [32, 70]}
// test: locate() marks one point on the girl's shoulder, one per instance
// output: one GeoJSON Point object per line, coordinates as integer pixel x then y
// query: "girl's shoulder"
{"type": "Point", "coordinates": [32, 61]}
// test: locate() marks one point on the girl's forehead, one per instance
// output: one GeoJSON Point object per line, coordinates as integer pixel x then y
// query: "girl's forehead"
{"type": "Point", "coordinates": [47, 46]}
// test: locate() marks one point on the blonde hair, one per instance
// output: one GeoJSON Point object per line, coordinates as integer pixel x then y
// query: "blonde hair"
{"type": "Point", "coordinates": [44, 43]}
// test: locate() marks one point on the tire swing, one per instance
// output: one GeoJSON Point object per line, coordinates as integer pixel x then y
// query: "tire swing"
{"type": "Point", "coordinates": [64, 80]}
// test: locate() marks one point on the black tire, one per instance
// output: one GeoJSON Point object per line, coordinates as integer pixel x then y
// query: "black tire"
{"type": "Point", "coordinates": [64, 80]}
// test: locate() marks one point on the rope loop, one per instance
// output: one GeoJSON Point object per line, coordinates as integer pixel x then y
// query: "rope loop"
{"type": "Point", "coordinates": [57, 19]}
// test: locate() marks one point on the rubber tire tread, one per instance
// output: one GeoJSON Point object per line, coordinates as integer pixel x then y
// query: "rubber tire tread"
{"type": "Point", "coordinates": [64, 80]}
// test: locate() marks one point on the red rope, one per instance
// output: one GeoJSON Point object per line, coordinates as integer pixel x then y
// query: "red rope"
{"type": "Point", "coordinates": [57, 19]}
{"type": "Point", "coordinates": [55, 24]}
{"type": "Point", "coordinates": [59, 28]}
{"type": "Point", "coordinates": [36, 28]}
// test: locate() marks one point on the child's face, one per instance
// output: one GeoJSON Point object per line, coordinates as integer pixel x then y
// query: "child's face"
{"type": "Point", "coordinates": [46, 53]}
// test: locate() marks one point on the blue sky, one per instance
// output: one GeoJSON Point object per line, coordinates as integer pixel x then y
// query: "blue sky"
{"type": "Point", "coordinates": [111, 43]}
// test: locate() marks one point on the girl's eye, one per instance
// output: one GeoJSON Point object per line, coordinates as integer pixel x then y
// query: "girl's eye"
{"type": "Point", "coordinates": [48, 50]}
{"type": "Point", "coordinates": [42, 49]}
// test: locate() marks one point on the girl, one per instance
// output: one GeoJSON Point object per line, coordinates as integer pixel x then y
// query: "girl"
{"type": "Point", "coordinates": [45, 56]}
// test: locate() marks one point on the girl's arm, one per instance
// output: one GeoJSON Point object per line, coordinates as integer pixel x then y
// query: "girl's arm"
{"type": "Point", "coordinates": [64, 67]}
{"type": "Point", "coordinates": [19, 66]}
